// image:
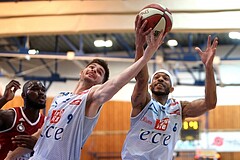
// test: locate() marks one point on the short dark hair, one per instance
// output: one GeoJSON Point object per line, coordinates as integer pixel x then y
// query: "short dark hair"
{"type": "Point", "coordinates": [27, 84]}
{"type": "Point", "coordinates": [104, 64]}
{"type": "Point", "coordinates": [25, 87]}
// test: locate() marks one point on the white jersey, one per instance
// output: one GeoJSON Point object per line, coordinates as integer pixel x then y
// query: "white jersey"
{"type": "Point", "coordinates": [66, 128]}
{"type": "Point", "coordinates": [154, 132]}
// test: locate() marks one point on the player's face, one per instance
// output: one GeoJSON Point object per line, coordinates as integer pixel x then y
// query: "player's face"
{"type": "Point", "coordinates": [161, 84]}
{"type": "Point", "coordinates": [94, 73]}
{"type": "Point", "coordinates": [36, 95]}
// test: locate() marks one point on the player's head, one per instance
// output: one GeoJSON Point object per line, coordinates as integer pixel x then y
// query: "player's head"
{"type": "Point", "coordinates": [34, 94]}
{"type": "Point", "coordinates": [104, 65]}
{"type": "Point", "coordinates": [161, 82]}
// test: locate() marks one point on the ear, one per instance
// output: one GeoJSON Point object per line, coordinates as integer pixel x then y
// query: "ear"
{"type": "Point", "coordinates": [171, 89]}
{"type": "Point", "coordinates": [81, 72]}
{"type": "Point", "coordinates": [150, 86]}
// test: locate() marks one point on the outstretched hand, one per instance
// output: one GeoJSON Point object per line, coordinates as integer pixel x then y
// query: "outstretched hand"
{"type": "Point", "coordinates": [10, 90]}
{"type": "Point", "coordinates": [154, 42]}
{"type": "Point", "coordinates": [140, 33]}
{"type": "Point", "coordinates": [207, 56]}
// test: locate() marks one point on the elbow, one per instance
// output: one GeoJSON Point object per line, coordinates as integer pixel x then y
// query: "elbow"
{"type": "Point", "coordinates": [141, 80]}
{"type": "Point", "coordinates": [212, 107]}
{"type": "Point", "coordinates": [212, 104]}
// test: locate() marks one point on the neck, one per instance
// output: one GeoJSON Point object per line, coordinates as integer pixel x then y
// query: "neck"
{"type": "Point", "coordinates": [81, 87]}
{"type": "Point", "coordinates": [32, 114]}
{"type": "Point", "coordinates": [161, 99]}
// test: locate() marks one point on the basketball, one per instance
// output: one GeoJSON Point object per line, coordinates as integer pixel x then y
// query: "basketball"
{"type": "Point", "coordinates": [158, 16]}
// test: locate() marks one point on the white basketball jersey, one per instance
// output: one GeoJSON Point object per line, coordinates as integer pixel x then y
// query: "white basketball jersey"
{"type": "Point", "coordinates": [66, 128]}
{"type": "Point", "coordinates": [154, 132]}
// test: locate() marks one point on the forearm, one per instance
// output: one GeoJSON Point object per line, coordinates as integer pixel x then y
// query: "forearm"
{"type": "Point", "coordinates": [142, 76]}
{"type": "Point", "coordinates": [210, 88]}
{"type": "Point", "coordinates": [17, 153]}
{"type": "Point", "coordinates": [106, 91]}
{"type": "Point", "coordinates": [111, 87]}
{"type": "Point", "coordinates": [3, 101]}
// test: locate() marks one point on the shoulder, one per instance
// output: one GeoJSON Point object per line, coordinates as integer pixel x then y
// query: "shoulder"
{"type": "Point", "coordinates": [6, 118]}
{"type": "Point", "coordinates": [92, 91]}
{"type": "Point", "coordinates": [9, 112]}
{"type": "Point", "coordinates": [184, 103]}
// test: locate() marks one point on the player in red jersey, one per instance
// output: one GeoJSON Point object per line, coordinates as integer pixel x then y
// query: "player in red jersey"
{"type": "Point", "coordinates": [24, 120]}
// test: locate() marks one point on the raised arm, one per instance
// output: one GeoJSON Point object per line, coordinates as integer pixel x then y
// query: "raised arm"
{"type": "Point", "coordinates": [200, 106]}
{"type": "Point", "coordinates": [6, 116]}
{"type": "Point", "coordinates": [140, 96]}
{"type": "Point", "coordinates": [9, 92]}
{"type": "Point", "coordinates": [105, 92]}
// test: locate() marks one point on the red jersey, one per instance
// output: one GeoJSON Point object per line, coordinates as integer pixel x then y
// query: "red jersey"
{"type": "Point", "coordinates": [21, 126]}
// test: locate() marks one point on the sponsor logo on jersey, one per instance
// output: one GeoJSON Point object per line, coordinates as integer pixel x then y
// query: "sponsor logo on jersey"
{"type": "Point", "coordinates": [56, 115]}
{"type": "Point", "coordinates": [174, 103]}
{"type": "Point", "coordinates": [146, 120]}
{"type": "Point", "coordinates": [21, 120]}
{"type": "Point", "coordinates": [66, 100]}
{"type": "Point", "coordinates": [53, 132]}
{"type": "Point", "coordinates": [155, 137]}
{"type": "Point", "coordinates": [161, 124]}
{"type": "Point", "coordinates": [176, 112]}
{"type": "Point", "coordinates": [83, 92]}
{"type": "Point", "coordinates": [76, 102]}
{"type": "Point", "coordinates": [20, 127]}
{"type": "Point", "coordinates": [63, 94]}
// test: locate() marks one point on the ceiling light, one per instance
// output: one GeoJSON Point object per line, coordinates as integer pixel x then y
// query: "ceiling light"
{"type": "Point", "coordinates": [33, 51]}
{"type": "Point", "coordinates": [70, 55]}
{"type": "Point", "coordinates": [103, 43]}
{"type": "Point", "coordinates": [234, 35]}
{"type": "Point", "coordinates": [172, 43]}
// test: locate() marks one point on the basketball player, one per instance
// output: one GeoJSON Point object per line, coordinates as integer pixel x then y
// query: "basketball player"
{"type": "Point", "coordinates": [73, 116]}
{"type": "Point", "coordinates": [24, 120]}
{"type": "Point", "coordinates": [156, 119]}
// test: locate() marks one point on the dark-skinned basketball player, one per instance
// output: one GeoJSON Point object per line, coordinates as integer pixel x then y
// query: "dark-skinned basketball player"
{"type": "Point", "coordinates": [24, 120]}
{"type": "Point", "coordinates": [156, 119]}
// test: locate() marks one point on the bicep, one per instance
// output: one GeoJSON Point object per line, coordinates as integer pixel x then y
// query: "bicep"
{"type": "Point", "coordinates": [6, 119]}
{"type": "Point", "coordinates": [140, 97]}
{"type": "Point", "coordinates": [194, 108]}
{"type": "Point", "coordinates": [95, 94]}
{"type": "Point", "coordinates": [100, 94]}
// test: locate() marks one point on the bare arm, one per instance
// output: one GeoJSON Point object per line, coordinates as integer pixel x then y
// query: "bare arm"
{"type": "Point", "coordinates": [7, 116]}
{"type": "Point", "coordinates": [140, 96]}
{"type": "Point", "coordinates": [9, 92]}
{"type": "Point", "coordinates": [200, 106]}
{"type": "Point", "coordinates": [25, 144]}
{"type": "Point", "coordinates": [17, 153]}
{"type": "Point", "coordinates": [105, 92]}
